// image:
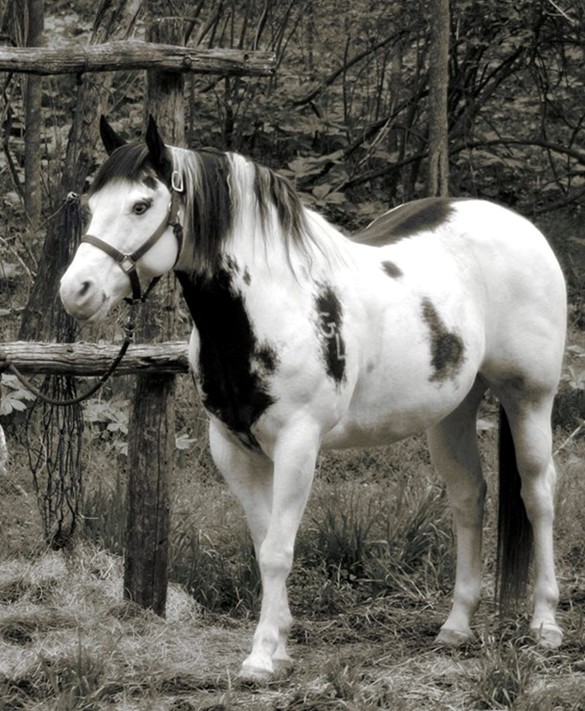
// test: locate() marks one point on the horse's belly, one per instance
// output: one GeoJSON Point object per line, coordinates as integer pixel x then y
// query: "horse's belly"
{"type": "Point", "coordinates": [378, 416]}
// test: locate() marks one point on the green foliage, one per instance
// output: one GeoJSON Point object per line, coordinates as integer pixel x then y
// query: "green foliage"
{"type": "Point", "coordinates": [13, 397]}
{"type": "Point", "coordinates": [357, 536]}
{"type": "Point", "coordinates": [75, 683]}
{"type": "Point", "coordinates": [574, 372]}
{"type": "Point", "coordinates": [108, 424]}
{"type": "Point", "coordinates": [367, 536]}
{"type": "Point", "coordinates": [222, 578]}
{"type": "Point", "coordinates": [108, 421]}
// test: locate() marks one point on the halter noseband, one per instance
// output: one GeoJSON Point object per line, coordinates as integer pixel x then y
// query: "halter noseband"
{"type": "Point", "coordinates": [128, 262]}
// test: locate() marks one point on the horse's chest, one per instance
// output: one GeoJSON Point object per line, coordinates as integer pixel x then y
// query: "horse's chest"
{"type": "Point", "coordinates": [231, 365]}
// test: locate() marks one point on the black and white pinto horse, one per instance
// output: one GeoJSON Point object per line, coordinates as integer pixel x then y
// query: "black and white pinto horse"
{"type": "Point", "coordinates": [305, 340]}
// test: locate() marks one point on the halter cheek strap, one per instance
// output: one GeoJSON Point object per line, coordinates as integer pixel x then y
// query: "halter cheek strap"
{"type": "Point", "coordinates": [128, 262]}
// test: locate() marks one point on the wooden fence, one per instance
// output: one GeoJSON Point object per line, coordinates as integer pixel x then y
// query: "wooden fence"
{"type": "Point", "coordinates": [151, 427]}
{"type": "Point", "coordinates": [93, 359]}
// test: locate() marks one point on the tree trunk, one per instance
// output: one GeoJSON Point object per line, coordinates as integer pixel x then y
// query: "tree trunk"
{"type": "Point", "coordinates": [43, 307]}
{"type": "Point", "coordinates": [438, 163]}
{"type": "Point", "coordinates": [33, 122]}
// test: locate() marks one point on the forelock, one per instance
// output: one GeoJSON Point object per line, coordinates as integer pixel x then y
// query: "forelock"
{"type": "Point", "coordinates": [129, 162]}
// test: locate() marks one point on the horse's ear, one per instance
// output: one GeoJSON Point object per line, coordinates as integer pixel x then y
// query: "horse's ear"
{"type": "Point", "coordinates": [110, 138]}
{"type": "Point", "coordinates": [158, 152]}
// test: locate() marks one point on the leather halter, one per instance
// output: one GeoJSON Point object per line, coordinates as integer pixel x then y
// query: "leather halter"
{"type": "Point", "coordinates": [128, 262]}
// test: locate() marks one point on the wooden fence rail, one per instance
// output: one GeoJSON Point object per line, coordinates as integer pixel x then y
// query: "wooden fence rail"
{"type": "Point", "coordinates": [90, 359]}
{"type": "Point", "coordinates": [134, 54]}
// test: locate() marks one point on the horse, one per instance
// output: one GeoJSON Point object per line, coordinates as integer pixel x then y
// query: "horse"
{"type": "Point", "coordinates": [305, 339]}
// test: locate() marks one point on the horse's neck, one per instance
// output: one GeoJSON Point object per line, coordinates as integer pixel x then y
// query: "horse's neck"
{"type": "Point", "coordinates": [271, 254]}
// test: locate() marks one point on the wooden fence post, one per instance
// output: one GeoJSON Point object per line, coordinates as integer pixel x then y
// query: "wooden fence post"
{"type": "Point", "coordinates": [151, 433]}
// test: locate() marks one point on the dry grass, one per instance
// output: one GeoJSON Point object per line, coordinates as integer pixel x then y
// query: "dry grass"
{"type": "Point", "coordinates": [67, 641]}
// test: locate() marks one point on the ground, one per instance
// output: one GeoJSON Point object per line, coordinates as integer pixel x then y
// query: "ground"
{"type": "Point", "coordinates": [68, 640]}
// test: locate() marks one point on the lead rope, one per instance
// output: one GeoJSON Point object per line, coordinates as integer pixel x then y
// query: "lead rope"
{"type": "Point", "coordinates": [6, 365]}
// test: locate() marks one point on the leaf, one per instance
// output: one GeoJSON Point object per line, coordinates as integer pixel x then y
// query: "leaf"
{"type": "Point", "coordinates": [184, 442]}
{"type": "Point", "coordinates": [335, 198]}
{"type": "Point", "coordinates": [320, 191]}
{"type": "Point", "coordinates": [8, 405]}
{"type": "Point", "coordinates": [304, 166]}
{"type": "Point", "coordinates": [9, 270]}
{"type": "Point", "coordinates": [576, 350]}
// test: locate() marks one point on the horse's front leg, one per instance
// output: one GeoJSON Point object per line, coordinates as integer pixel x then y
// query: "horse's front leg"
{"type": "Point", "coordinates": [273, 496]}
{"type": "Point", "coordinates": [294, 457]}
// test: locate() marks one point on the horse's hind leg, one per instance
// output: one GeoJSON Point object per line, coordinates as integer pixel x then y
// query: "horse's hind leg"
{"type": "Point", "coordinates": [529, 416]}
{"type": "Point", "coordinates": [455, 455]}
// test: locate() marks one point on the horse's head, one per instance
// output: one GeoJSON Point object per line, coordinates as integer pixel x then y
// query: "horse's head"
{"type": "Point", "coordinates": [130, 240]}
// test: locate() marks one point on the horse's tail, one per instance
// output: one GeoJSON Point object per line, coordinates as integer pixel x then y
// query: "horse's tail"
{"type": "Point", "coordinates": [514, 528]}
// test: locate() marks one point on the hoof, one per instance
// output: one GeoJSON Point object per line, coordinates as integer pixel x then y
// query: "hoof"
{"type": "Point", "coordinates": [252, 676]}
{"type": "Point", "coordinates": [258, 676]}
{"type": "Point", "coordinates": [453, 638]}
{"type": "Point", "coordinates": [548, 636]}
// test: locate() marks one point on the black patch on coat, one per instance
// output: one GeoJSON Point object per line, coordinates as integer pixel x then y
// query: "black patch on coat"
{"type": "Point", "coordinates": [330, 322]}
{"type": "Point", "coordinates": [406, 221]}
{"type": "Point", "coordinates": [447, 349]}
{"type": "Point", "coordinates": [391, 269]}
{"type": "Point", "coordinates": [232, 266]}
{"type": "Point", "coordinates": [234, 369]}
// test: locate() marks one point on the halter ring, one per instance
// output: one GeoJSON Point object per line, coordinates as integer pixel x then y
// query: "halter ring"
{"type": "Point", "coordinates": [177, 182]}
{"type": "Point", "coordinates": [127, 265]}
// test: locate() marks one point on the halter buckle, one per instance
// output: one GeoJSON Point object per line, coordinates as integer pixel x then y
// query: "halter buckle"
{"type": "Point", "coordinates": [127, 264]}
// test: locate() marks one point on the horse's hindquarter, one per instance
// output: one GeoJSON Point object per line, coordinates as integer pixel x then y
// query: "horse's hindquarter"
{"type": "Point", "coordinates": [525, 298]}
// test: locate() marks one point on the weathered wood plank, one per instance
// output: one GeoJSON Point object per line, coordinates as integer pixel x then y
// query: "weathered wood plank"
{"type": "Point", "coordinates": [89, 359]}
{"type": "Point", "coordinates": [151, 427]}
{"type": "Point", "coordinates": [134, 54]}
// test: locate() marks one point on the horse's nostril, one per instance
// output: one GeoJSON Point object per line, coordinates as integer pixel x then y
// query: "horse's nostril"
{"type": "Point", "coordinates": [85, 287]}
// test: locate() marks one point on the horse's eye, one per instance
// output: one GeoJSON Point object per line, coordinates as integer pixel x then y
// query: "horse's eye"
{"type": "Point", "coordinates": [140, 207]}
